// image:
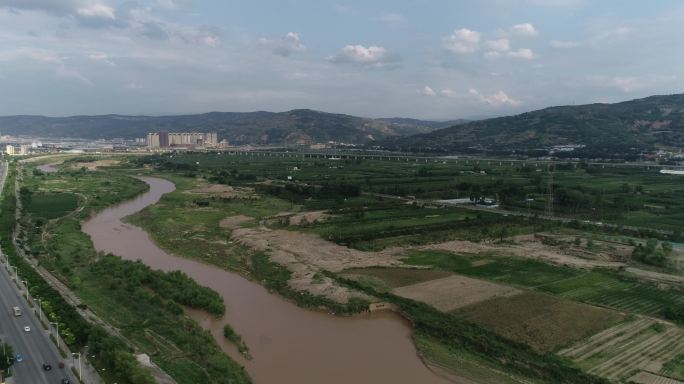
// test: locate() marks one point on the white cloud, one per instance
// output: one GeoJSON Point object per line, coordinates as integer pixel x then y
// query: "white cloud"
{"type": "Point", "coordinates": [524, 29]}
{"type": "Point", "coordinates": [498, 45]}
{"type": "Point", "coordinates": [463, 40]}
{"type": "Point", "coordinates": [173, 4]}
{"type": "Point", "coordinates": [393, 19]}
{"type": "Point", "coordinates": [286, 46]}
{"type": "Point", "coordinates": [427, 91]}
{"type": "Point", "coordinates": [101, 57]}
{"type": "Point", "coordinates": [70, 73]}
{"type": "Point", "coordinates": [563, 44]}
{"type": "Point", "coordinates": [50, 6]}
{"type": "Point", "coordinates": [373, 56]}
{"type": "Point", "coordinates": [446, 92]}
{"type": "Point", "coordinates": [98, 10]}
{"type": "Point", "coordinates": [492, 55]}
{"type": "Point", "coordinates": [497, 99]}
{"type": "Point", "coordinates": [522, 53]}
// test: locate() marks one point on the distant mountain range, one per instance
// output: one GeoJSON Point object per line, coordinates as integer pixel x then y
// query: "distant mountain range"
{"type": "Point", "coordinates": [602, 130]}
{"type": "Point", "coordinates": [301, 126]}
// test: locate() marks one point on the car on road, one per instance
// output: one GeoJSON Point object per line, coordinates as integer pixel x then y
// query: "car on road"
{"type": "Point", "coordinates": [27, 329]}
{"type": "Point", "coordinates": [66, 381]}
{"type": "Point", "coordinates": [19, 358]}
{"type": "Point", "coordinates": [47, 367]}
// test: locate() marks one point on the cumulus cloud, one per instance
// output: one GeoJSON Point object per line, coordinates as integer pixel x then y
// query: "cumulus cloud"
{"type": "Point", "coordinates": [372, 56]}
{"type": "Point", "coordinates": [49, 6]}
{"type": "Point", "coordinates": [463, 40]}
{"type": "Point", "coordinates": [524, 29]}
{"type": "Point", "coordinates": [497, 99]}
{"type": "Point", "coordinates": [449, 93]}
{"type": "Point", "coordinates": [522, 53]}
{"type": "Point", "coordinates": [498, 45]}
{"type": "Point", "coordinates": [173, 4]}
{"type": "Point", "coordinates": [428, 91]}
{"type": "Point", "coordinates": [64, 72]}
{"type": "Point", "coordinates": [98, 10]}
{"type": "Point", "coordinates": [286, 46]}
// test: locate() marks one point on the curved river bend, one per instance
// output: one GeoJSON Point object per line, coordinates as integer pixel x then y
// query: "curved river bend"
{"type": "Point", "coordinates": [289, 344]}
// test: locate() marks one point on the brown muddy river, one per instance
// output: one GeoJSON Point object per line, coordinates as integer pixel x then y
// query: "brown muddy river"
{"type": "Point", "coordinates": [289, 345]}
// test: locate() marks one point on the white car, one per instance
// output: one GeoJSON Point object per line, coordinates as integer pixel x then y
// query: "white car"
{"type": "Point", "coordinates": [27, 329]}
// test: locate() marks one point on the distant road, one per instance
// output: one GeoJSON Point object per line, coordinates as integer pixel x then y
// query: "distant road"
{"type": "Point", "coordinates": [332, 154]}
{"type": "Point", "coordinates": [35, 346]}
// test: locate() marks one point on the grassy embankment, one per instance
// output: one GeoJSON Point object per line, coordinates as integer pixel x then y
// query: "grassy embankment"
{"type": "Point", "coordinates": [154, 320]}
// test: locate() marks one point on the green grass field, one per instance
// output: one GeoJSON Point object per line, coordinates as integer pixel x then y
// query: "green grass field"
{"type": "Point", "coordinates": [52, 205]}
{"type": "Point", "coordinates": [628, 196]}
{"type": "Point", "coordinates": [507, 270]}
{"type": "Point", "coordinates": [613, 291]}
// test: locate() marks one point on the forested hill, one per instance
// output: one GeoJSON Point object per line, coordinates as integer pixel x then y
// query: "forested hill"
{"type": "Point", "coordinates": [296, 126]}
{"type": "Point", "coordinates": [604, 129]}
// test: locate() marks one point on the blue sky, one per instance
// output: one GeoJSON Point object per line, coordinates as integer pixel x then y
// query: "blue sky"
{"type": "Point", "coordinates": [411, 58]}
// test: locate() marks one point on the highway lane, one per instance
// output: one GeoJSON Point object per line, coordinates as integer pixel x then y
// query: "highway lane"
{"type": "Point", "coordinates": [35, 346]}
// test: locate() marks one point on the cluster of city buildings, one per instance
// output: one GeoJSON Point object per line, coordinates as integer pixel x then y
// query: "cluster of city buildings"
{"type": "Point", "coordinates": [188, 140]}
{"type": "Point", "coordinates": [22, 150]}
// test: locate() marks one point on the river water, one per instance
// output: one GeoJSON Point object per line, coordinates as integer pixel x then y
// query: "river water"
{"type": "Point", "coordinates": [289, 345]}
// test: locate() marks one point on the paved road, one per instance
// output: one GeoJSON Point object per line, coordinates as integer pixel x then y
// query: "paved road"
{"type": "Point", "coordinates": [35, 346]}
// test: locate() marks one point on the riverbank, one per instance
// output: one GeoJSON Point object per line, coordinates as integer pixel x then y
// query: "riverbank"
{"type": "Point", "coordinates": [364, 348]}
{"type": "Point", "coordinates": [153, 322]}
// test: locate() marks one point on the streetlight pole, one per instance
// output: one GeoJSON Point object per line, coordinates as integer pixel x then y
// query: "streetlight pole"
{"type": "Point", "coordinates": [28, 295]}
{"type": "Point", "coordinates": [79, 364]}
{"type": "Point", "coordinates": [57, 326]}
{"type": "Point", "coordinates": [40, 309]}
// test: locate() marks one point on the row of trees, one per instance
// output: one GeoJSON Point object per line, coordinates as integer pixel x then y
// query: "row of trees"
{"type": "Point", "coordinates": [131, 276]}
{"type": "Point", "coordinates": [653, 253]}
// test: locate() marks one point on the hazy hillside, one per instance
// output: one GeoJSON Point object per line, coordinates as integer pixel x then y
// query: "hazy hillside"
{"type": "Point", "coordinates": [605, 129]}
{"type": "Point", "coordinates": [296, 126]}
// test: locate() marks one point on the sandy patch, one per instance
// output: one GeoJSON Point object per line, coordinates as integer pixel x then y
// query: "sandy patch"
{"type": "Point", "coordinates": [306, 255]}
{"type": "Point", "coordinates": [454, 292]}
{"type": "Point", "coordinates": [308, 217]}
{"type": "Point", "coordinates": [222, 190]}
{"type": "Point", "coordinates": [93, 165]}
{"type": "Point", "coordinates": [527, 249]}
{"type": "Point", "coordinates": [233, 222]}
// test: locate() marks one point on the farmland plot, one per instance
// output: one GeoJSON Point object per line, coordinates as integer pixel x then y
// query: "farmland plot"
{"type": "Point", "coordinates": [627, 348]}
{"type": "Point", "coordinates": [544, 322]}
{"type": "Point", "coordinates": [453, 292]}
